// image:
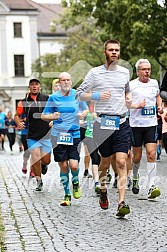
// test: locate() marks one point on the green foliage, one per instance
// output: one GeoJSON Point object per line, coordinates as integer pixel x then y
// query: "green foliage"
{"type": "Point", "coordinates": [139, 25]}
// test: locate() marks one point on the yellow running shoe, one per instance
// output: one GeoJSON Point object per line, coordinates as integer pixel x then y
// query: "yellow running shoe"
{"type": "Point", "coordinates": [66, 201]}
{"type": "Point", "coordinates": [153, 192]}
{"type": "Point", "coordinates": [76, 190]}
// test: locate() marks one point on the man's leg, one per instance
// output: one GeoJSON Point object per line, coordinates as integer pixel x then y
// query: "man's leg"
{"type": "Point", "coordinates": [121, 166]}
{"type": "Point", "coordinates": [64, 176]}
{"type": "Point", "coordinates": [137, 154]}
{"type": "Point", "coordinates": [36, 167]}
{"type": "Point", "coordinates": [113, 164]}
{"type": "Point", "coordinates": [86, 162]}
{"type": "Point", "coordinates": [103, 167]}
{"type": "Point", "coordinates": [152, 170]}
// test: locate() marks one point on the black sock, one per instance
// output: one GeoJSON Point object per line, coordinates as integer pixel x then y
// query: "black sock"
{"type": "Point", "coordinates": [85, 172]}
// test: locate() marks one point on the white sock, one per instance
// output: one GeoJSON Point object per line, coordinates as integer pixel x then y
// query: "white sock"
{"type": "Point", "coordinates": [151, 172]}
{"type": "Point", "coordinates": [135, 168]}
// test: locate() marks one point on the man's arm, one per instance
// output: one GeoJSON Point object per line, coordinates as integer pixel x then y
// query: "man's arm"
{"type": "Point", "coordinates": [159, 104]}
{"type": "Point", "coordinates": [50, 117]}
{"type": "Point", "coordinates": [163, 88]}
{"type": "Point", "coordinates": [17, 117]}
{"type": "Point", "coordinates": [130, 105]}
{"type": "Point", "coordinates": [48, 113]}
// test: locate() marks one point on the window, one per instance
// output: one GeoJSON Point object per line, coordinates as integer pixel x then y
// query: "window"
{"type": "Point", "coordinates": [19, 65]}
{"type": "Point", "coordinates": [17, 30]}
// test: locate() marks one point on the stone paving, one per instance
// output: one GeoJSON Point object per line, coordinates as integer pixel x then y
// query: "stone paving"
{"type": "Point", "coordinates": [34, 221]}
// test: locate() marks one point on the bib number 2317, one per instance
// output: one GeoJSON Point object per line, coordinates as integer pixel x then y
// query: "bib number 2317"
{"type": "Point", "coordinates": [65, 138]}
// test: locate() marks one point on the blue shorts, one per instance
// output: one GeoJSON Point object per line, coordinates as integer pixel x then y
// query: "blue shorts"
{"type": "Point", "coordinates": [110, 142]}
{"type": "Point", "coordinates": [44, 144]}
{"type": "Point", "coordinates": [63, 152]}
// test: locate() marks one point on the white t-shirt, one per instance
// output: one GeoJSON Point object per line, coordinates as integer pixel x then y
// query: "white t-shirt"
{"type": "Point", "coordinates": [146, 116]}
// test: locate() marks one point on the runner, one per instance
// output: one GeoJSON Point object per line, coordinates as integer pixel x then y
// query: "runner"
{"type": "Point", "coordinates": [10, 130]}
{"type": "Point", "coordinates": [38, 138]}
{"type": "Point", "coordinates": [92, 147]}
{"type": "Point", "coordinates": [2, 128]}
{"type": "Point", "coordinates": [108, 86]}
{"type": "Point", "coordinates": [143, 122]}
{"type": "Point", "coordinates": [62, 108]}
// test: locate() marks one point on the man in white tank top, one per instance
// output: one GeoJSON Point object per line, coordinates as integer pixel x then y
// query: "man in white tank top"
{"type": "Point", "coordinates": [143, 121]}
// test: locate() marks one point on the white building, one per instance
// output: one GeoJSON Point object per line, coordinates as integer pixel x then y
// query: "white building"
{"type": "Point", "coordinates": [24, 36]}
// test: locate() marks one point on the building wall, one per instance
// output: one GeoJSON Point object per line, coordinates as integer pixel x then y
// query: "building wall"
{"type": "Point", "coordinates": [31, 45]}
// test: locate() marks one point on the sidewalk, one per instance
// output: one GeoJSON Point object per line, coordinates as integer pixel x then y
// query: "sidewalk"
{"type": "Point", "coordinates": [34, 221]}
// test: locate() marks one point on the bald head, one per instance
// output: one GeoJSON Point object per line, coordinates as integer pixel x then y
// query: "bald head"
{"type": "Point", "coordinates": [64, 75]}
{"type": "Point", "coordinates": [65, 82]}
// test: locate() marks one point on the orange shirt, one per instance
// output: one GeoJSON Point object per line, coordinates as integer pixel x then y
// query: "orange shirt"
{"type": "Point", "coordinates": [20, 109]}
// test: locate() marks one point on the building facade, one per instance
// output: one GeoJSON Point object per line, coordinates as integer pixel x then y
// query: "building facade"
{"type": "Point", "coordinates": [24, 36]}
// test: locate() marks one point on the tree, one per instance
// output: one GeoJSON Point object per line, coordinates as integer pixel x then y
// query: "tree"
{"type": "Point", "coordinates": [140, 25]}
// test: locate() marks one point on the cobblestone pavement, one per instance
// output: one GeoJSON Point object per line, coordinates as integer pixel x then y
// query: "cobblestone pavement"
{"type": "Point", "coordinates": [34, 221]}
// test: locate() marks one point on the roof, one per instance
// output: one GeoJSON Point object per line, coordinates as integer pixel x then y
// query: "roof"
{"type": "Point", "coordinates": [46, 13]}
{"type": "Point", "coordinates": [19, 4]}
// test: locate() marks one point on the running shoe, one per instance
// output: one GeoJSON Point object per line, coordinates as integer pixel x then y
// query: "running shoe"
{"type": "Point", "coordinates": [31, 174]}
{"type": "Point", "coordinates": [153, 192]}
{"type": "Point", "coordinates": [122, 210]}
{"type": "Point", "coordinates": [87, 174]}
{"type": "Point", "coordinates": [135, 186]}
{"type": "Point", "coordinates": [108, 178]}
{"type": "Point", "coordinates": [103, 201]}
{"type": "Point", "coordinates": [66, 201]}
{"type": "Point", "coordinates": [76, 190]}
{"type": "Point", "coordinates": [24, 169]}
{"type": "Point", "coordinates": [44, 169]}
{"type": "Point", "coordinates": [97, 188]}
{"type": "Point", "coordinates": [39, 187]}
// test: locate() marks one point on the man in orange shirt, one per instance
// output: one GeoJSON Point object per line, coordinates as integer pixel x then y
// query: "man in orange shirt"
{"type": "Point", "coordinates": [38, 137]}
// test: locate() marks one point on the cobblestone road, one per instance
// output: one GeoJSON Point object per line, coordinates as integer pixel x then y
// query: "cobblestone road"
{"type": "Point", "coordinates": [34, 221]}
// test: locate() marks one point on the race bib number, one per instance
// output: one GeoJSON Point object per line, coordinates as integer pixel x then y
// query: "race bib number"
{"type": "Point", "coordinates": [148, 111]}
{"type": "Point", "coordinates": [11, 130]}
{"type": "Point", "coordinates": [65, 138]}
{"type": "Point", "coordinates": [110, 122]}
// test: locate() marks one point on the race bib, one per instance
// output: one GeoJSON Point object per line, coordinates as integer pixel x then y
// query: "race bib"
{"type": "Point", "coordinates": [148, 111]}
{"type": "Point", "coordinates": [65, 138]}
{"type": "Point", "coordinates": [110, 122]}
{"type": "Point", "coordinates": [11, 130]}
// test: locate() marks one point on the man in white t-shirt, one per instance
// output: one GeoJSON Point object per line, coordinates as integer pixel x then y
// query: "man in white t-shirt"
{"type": "Point", "coordinates": [143, 121]}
